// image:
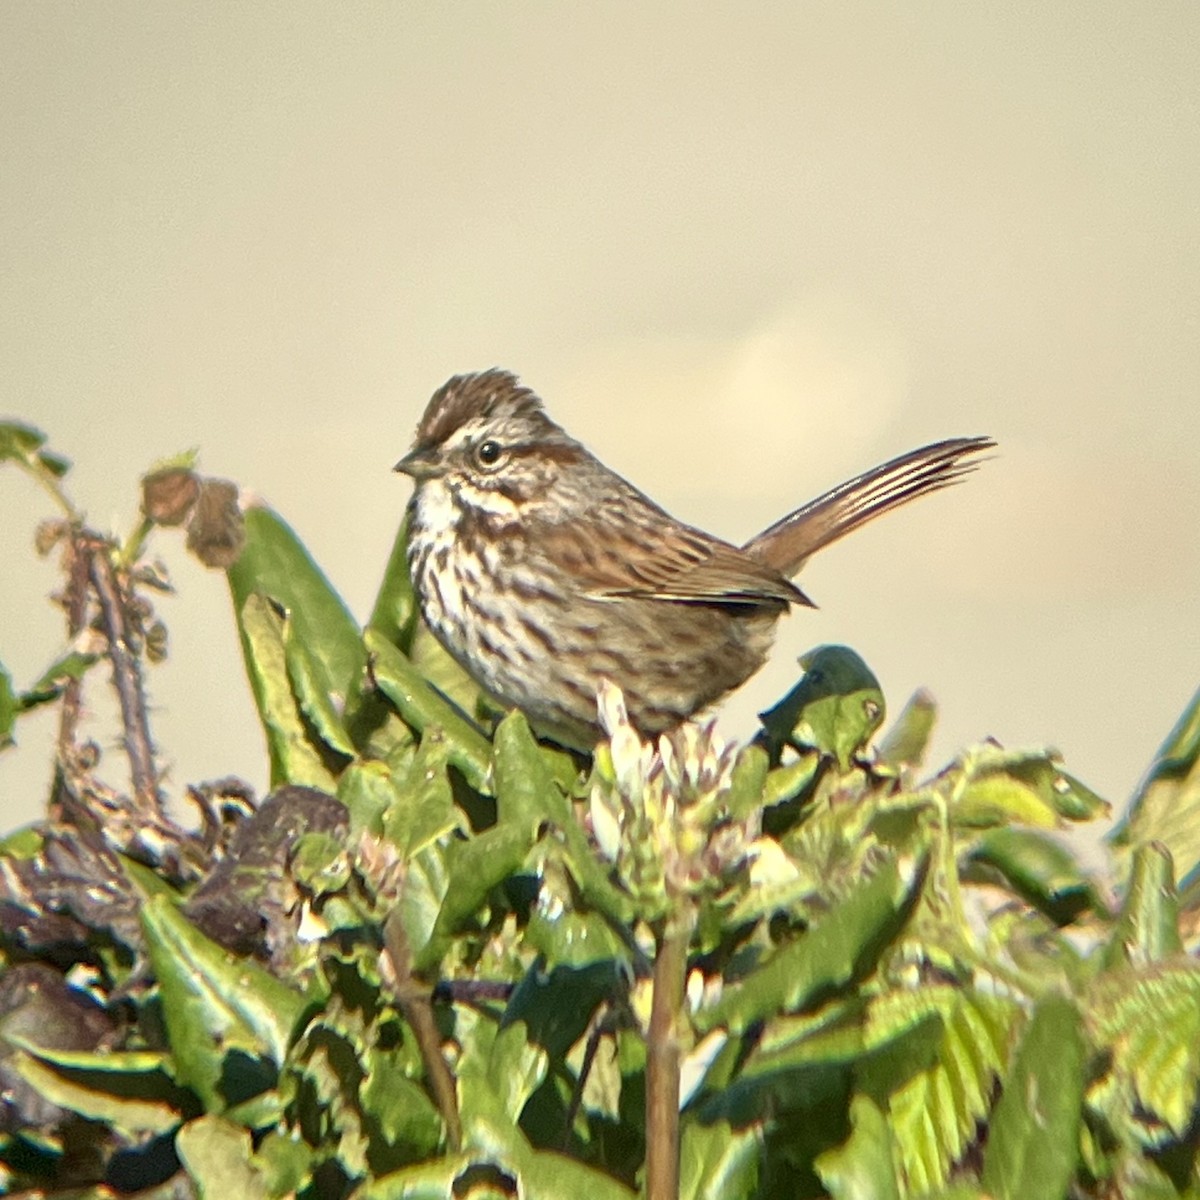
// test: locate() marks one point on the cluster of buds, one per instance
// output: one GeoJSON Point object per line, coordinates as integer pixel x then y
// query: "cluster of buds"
{"type": "Point", "coordinates": [658, 808]}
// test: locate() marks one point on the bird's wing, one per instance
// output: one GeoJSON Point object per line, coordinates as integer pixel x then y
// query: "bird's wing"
{"type": "Point", "coordinates": [613, 556]}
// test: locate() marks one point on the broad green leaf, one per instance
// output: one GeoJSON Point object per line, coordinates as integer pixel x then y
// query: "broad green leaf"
{"type": "Point", "coordinates": [422, 810]}
{"type": "Point", "coordinates": [862, 1168]}
{"type": "Point", "coordinates": [1021, 785]}
{"type": "Point", "coordinates": [423, 707]}
{"type": "Point", "coordinates": [319, 707]}
{"type": "Point", "coordinates": [1166, 807]}
{"type": "Point", "coordinates": [405, 1115]}
{"type": "Point", "coordinates": [427, 1181]}
{"type": "Point", "coordinates": [1147, 929]}
{"type": "Point", "coordinates": [904, 745]}
{"type": "Point", "coordinates": [223, 1014]}
{"type": "Point", "coordinates": [433, 661]}
{"type": "Point", "coordinates": [394, 615]}
{"type": "Point", "coordinates": [717, 1162]}
{"type": "Point", "coordinates": [274, 563]}
{"type": "Point", "coordinates": [295, 757]}
{"type": "Point", "coordinates": [935, 1080]}
{"type": "Point", "coordinates": [1033, 1137]}
{"type": "Point", "coordinates": [841, 948]}
{"type": "Point", "coordinates": [218, 1157]}
{"type": "Point", "coordinates": [474, 867]}
{"type": "Point", "coordinates": [1038, 868]}
{"type": "Point", "coordinates": [835, 708]}
{"type": "Point", "coordinates": [1150, 1020]}
{"type": "Point", "coordinates": [526, 793]}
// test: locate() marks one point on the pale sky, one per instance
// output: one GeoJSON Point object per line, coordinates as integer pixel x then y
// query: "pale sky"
{"type": "Point", "coordinates": [743, 251]}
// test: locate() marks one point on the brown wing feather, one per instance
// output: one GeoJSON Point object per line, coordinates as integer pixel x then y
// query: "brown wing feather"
{"type": "Point", "coordinates": [666, 561]}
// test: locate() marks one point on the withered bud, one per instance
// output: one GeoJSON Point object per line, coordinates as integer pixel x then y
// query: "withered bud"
{"type": "Point", "coordinates": [49, 534]}
{"type": "Point", "coordinates": [168, 495]}
{"type": "Point", "coordinates": [156, 642]}
{"type": "Point", "coordinates": [216, 531]}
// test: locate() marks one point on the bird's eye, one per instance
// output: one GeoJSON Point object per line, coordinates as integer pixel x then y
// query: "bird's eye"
{"type": "Point", "coordinates": [488, 453]}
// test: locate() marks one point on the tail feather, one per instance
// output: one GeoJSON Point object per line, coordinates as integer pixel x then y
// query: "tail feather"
{"type": "Point", "coordinates": [789, 543]}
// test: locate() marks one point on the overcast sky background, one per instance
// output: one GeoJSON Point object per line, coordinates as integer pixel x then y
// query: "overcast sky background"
{"type": "Point", "coordinates": [742, 251]}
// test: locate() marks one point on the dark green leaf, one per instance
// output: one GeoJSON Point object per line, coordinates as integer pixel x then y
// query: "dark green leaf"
{"type": "Point", "coordinates": [1039, 869]}
{"type": "Point", "coordinates": [274, 563]}
{"type": "Point", "coordinates": [1033, 1139]}
{"type": "Point", "coordinates": [835, 708]}
{"type": "Point", "coordinates": [423, 707]}
{"type": "Point", "coordinates": [840, 949]}
{"type": "Point", "coordinates": [394, 615]}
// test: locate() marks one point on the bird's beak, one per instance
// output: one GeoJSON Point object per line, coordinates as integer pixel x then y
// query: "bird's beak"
{"type": "Point", "coordinates": [419, 464]}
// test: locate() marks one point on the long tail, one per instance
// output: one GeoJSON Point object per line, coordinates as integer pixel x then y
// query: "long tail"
{"type": "Point", "coordinates": [789, 543]}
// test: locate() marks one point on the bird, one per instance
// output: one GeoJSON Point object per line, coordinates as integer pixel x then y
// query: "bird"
{"type": "Point", "coordinates": [543, 573]}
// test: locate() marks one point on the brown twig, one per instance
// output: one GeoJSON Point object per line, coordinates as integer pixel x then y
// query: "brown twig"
{"type": "Point", "coordinates": [415, 1003]}
{"type": "Point", "coordinates": [663, 1055]}
{"type": "Point", "coordinates": [127, 679]}
{"type": "Point", "coordinates": [78, 559]}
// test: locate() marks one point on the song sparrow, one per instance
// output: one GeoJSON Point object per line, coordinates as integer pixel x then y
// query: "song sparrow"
{"type": "Point", "coordinates": [541, 571]}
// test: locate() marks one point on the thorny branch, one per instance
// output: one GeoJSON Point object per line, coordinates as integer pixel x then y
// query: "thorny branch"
{"type": "Point", "coordinates": [127, 679]}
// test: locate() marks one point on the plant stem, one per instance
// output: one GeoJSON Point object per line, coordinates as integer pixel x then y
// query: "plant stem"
{"type": "Point", "coordinates": [127, 679]}
{"type": "Point", "coordinates": [414, 999]}
{"type": "Point", "coordinates": [663, 1055]}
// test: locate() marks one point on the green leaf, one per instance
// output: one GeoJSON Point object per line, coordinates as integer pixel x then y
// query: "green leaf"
{"type": "Point", "coordinates": [1147, 929]}
{"type": "Point", "coordinates": [71, 665]}
{"type": "Point", "coordinates": [218, 1157]}
{"type": "Point", "coordinates": [862, 1168]}
{"type": "Point", "coordinates": [905, 743]}
{"type": "Point", "coordinates": [1039, 869]}
{"type": "Point", "coordinates": [423, 707]}
{"type": "Point", "coordinates": [840, 949]}
{"type": "Point", "coordinates": [937, 1051]}
{"type": "Point", "coordinates": [1150, 1020]}
{"type": "Point", "coordinates": [526, 793]}
{"type": "Point", "coordinates": [394, 615]}
{"type": "Point", "coordinates": [1033, 1138]}
{"type": "Point", "coordinates": [475, 866]}
{"type": "Point", "coordinates": [24, 444]}
{"type": "Point", "coordinates": [132, 1102]}
{"type": "Point", "coordinates": [1026, 786]}
{"type": "Point", "coordinates": [423, 811]}
{"type": "Point", "coordinates": [717, 1162]}
{"type": "Point", "coordinates": [318, 706]}
{"type": "Point", "coordinates": [274, 563]}
{"type": "Point", "coordinates": [1166, 808]}
{"type": "Point", "coordinates": [223, 1014]}
{"type": "Point", "coordinates": [8, 708]}
{"type": "Point", "coordinates": [295, 758]}
{"type": "Point", "coordinates": [835, 708]}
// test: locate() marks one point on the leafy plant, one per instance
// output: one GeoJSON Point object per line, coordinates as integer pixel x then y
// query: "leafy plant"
{"type": "Point", "coordinates": [442, 958]}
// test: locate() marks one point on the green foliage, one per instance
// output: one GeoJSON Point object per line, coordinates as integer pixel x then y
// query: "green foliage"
{"type": "Point", "coordinates": [445, 958]}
